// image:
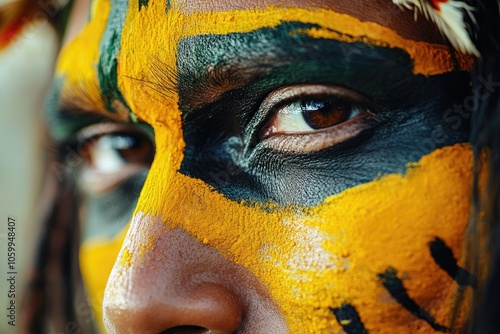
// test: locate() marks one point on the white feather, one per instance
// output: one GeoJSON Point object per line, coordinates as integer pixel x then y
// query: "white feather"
{"type": "Point", "coordinates": [450, 20]}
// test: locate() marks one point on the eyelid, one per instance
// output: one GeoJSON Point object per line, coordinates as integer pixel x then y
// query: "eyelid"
{"type": "Point", "coordinates": [321, 139]}
{"type": "Point", "coordinates": [101, 129]}
{"type": "Point", "coordinates": [286, 95]}
{"type": "Point", "coordinates": [92, 180]}
{"type": "Point", "coordinates": [283, 96]}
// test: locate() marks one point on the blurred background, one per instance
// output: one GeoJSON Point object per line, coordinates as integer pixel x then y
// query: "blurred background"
{"type": "Point", "coordinates": [26, 66]}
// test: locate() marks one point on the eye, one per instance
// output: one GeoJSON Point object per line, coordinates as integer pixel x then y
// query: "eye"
{"type": "Point", "coordinates": [308, 114]}
{"type": "Point", "coordinates": [308, 118]}
{"type": "Point", "coordinates": [112, 153]}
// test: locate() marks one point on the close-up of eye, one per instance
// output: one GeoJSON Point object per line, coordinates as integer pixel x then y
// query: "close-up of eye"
{"type": "Point", "coordinates": [308, 118]}
{"type": "Point", "coordinates": [112, 153]}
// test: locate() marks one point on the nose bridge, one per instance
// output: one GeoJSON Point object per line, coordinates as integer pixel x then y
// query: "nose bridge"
{"type": "Point", "coordinates": [158, 283]}
{"type": "Point", "coordinates": [187, 259]}
{"type": "Point", "coordinates": [164, 280]}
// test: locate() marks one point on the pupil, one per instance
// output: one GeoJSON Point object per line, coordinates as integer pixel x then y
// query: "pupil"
{"type": "Point", "coordinates": [320, 114]}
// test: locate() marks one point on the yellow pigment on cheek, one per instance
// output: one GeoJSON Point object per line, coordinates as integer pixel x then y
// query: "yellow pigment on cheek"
{"type": "Point", "coordinates": [389, 223]}
{"type": "Point", "coordinates": [97, 257]}
{"type": "Point", "coordinates": [331, 254]}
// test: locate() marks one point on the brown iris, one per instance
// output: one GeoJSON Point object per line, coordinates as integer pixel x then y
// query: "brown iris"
{"type": "Point", "coordinates": [134, 147]}
{"type": "Point", "coordinates": [131, 147]}
{"type": "Point", "coordinates": [320, 114]}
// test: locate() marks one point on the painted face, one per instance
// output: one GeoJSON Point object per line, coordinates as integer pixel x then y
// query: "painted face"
{"type": "Point", "coordinates": [265, 168]}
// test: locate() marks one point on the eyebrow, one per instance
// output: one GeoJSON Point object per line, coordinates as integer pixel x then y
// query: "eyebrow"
{"type": "Point", "coordinates": [220, 79]}
{"type": "Point", "coordinates": [328, 23]}
{"type": "Point", "coordinates": [68, 110]}
{"type": "Point", "coordinates": [284, 55]}
{"type": "Point", "coordinates": [205, 83]}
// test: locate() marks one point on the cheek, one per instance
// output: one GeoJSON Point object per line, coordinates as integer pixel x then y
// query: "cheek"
{"type": "Point", "coordinates": [379, 249]}
{"type": "Point", "coordinates": [362, 258]}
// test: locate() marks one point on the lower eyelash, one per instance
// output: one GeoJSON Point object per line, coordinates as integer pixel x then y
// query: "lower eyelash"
{"type": "Point", "coordinates": [318, 140]}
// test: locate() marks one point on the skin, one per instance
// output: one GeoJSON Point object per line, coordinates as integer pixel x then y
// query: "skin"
{"type": "Point", "coordinates": [231, 231]}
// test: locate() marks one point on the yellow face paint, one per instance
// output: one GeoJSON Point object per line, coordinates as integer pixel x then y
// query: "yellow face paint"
{"type": "Point", "coordinates": [97, 257]}
{"type": "Point", "coordinates": [312, 260]}
{"type": "Point", "coordinates": [334, 253]}
{"type": "Point", "coordinates": [77, 65]}
{"type": "Point", "coordinates": [317, 260]}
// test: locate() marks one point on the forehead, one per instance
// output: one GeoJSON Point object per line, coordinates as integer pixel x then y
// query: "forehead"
{"type": "Point", "coordinates": [138, 35]}
{"type": "Point", "coordinates": [383, 12]}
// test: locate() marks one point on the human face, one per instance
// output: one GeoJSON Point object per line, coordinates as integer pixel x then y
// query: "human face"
{"type": "Point", "coordinates": [306, 174]}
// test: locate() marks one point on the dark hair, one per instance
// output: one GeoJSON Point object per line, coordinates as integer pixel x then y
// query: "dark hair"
{"type": "Point", "coordinates": [55, 297]}
{"type": "Point", "coordinates": [484, 231]}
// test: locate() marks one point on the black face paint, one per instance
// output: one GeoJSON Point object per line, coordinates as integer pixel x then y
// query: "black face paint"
{"type": "Point", "coordinates": [396, 288]}
{"type": "Point", "coordinates": [235, 72]}
{"type": "Point", "coordinates": [349, 319]}
{"type": "Point", "coordinates": [443, 255]}
{"type": "Point", "coordinates": [143, 3]}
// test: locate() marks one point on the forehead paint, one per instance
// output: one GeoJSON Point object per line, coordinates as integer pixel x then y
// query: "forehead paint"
{"type": "Point", "coordinates": [109, 48]}
{"type": "Point", "coordinates": [77, 64]}
{"type": "Point", "coordinates": [429, 59]}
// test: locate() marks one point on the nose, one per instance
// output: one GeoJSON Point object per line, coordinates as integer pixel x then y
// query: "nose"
{"type": "Point", "coordinates": [177, 285]}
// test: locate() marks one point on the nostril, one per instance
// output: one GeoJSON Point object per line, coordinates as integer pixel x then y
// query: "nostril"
{"type": "Point", "coordinates": [181, 288]}
{"type": "Point", "coordinates": [187, 330]}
